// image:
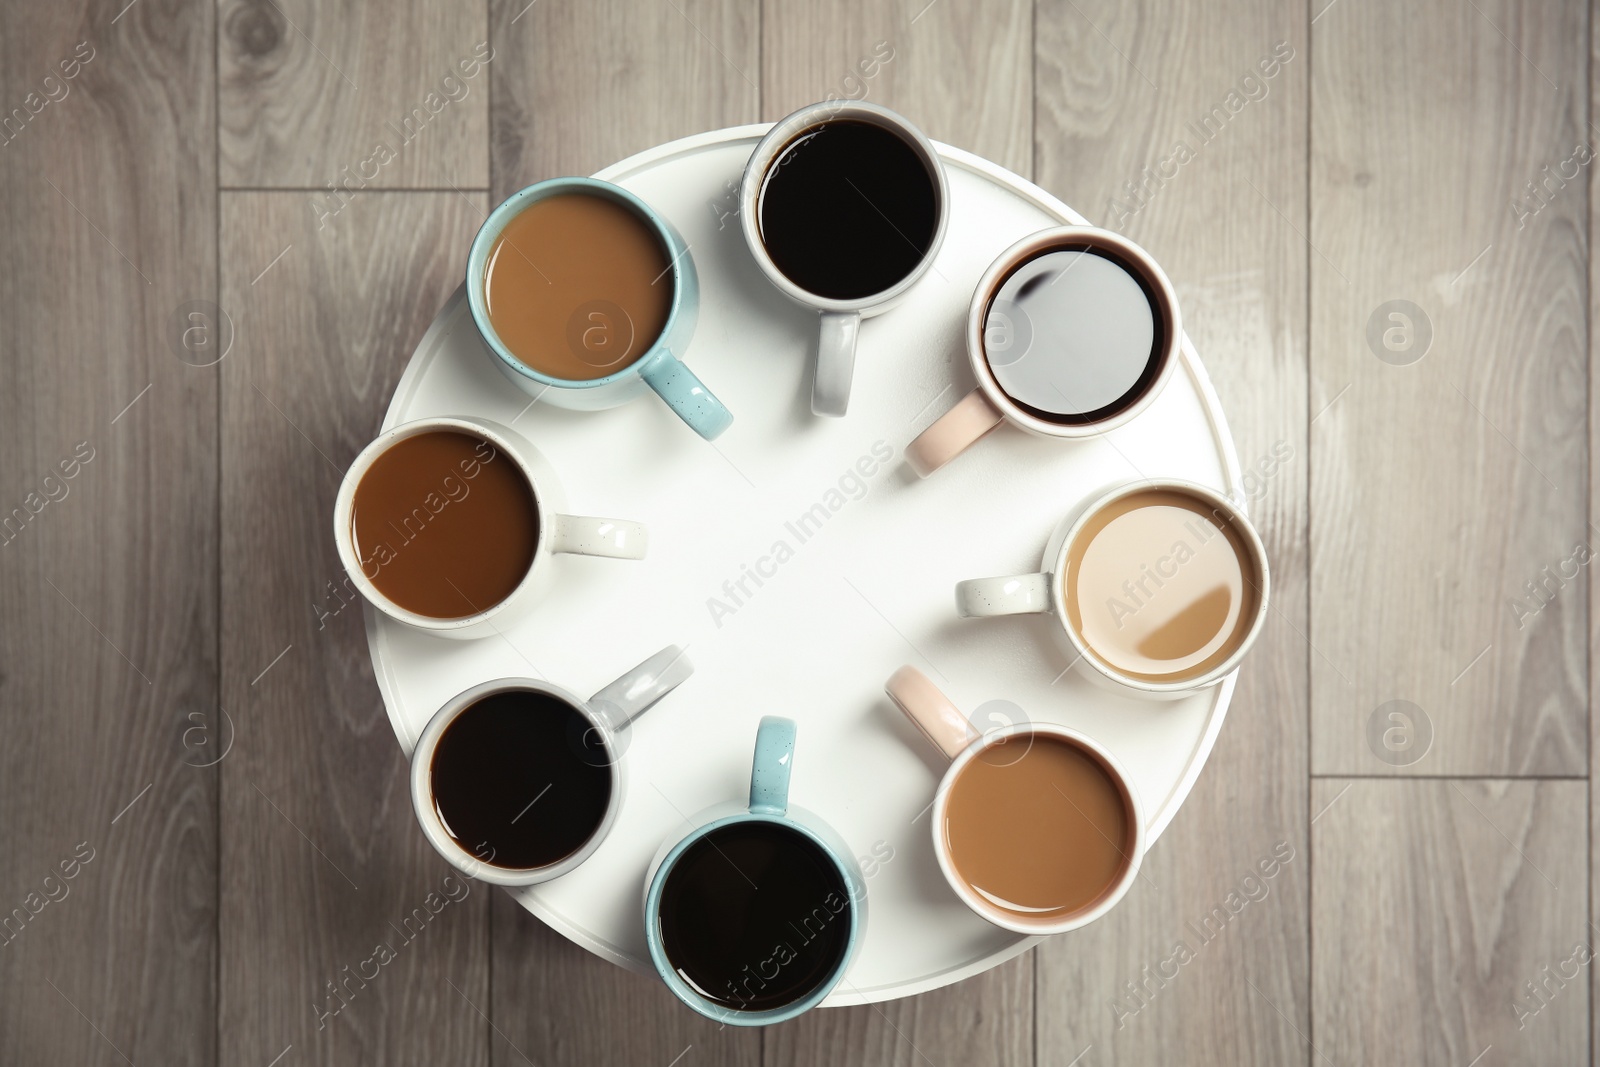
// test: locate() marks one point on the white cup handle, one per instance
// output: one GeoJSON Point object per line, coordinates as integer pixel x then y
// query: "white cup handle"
{"type": "Point", "coordinates": [836, 362]}
{"type": "Point", "coordinates": [631, 695]}
{"type": "Point", "coordinates": [1019, 594]}
{"type": "Point", "coordinates": [585, 536]}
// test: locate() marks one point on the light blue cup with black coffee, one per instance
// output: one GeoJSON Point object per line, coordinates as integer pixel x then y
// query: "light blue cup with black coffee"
{"type": "Point", "coordinates": [660, 369]}
{"type": "Point", "coordinates": [840, 922]}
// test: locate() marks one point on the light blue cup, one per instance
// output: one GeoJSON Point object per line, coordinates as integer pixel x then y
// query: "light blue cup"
{"type": "Point", "coordinates": [769, 802]}
{"type": "Point", "coordinates": [659, 368]}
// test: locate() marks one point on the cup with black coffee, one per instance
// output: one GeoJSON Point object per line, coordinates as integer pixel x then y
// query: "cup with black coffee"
{"type": "Point", "coordinates": [517, 781]}
{"type": "Point", "coordinates": [449, 525]}
{"type": "Point", "coordinates": [844, 206]}
{"type": "Point", "coordinates": [1071, 332]}
{"type": "Point", "coordinates": [755, 915]}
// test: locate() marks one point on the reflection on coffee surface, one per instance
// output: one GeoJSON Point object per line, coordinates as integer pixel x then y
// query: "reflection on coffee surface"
{"type": "Point", "coordinates": [444, 524]}
{"type": "Point", "coordinates": [1038, 827]}
{"type": "Point", "coordinates": [847, 210]}
{"type": "Point", "coordinates": [754, 916]}
{"type": "Point", "coordinates": [578, 286]}
{"type": "Point", "coordinates": [1160, 586]}
{"type": "Point", "coordinates": [520, 779]}
{"type": "Point", "coordinates": [1071, 336]}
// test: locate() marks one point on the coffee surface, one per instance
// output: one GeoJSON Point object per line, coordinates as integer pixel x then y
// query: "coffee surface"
{"type": "Point", "coordinates": [754, 916]}
{"type": "Point", "coordinates": [444, 524]}
{"type": "Point", "coordinates": [1037, 827]}
{"type": "Point", "coordinates": [1159, 587]}
{"type": "Point", "coordinates": [847, 210]}
{"type": "Point", "coordinates": [1072, 336]}
{"type": "Point", "coordinates": [519, 780]}
{"type": "Point", "coordinates": [578, 286]}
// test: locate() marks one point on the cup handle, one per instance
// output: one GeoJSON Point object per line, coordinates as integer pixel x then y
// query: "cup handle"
{"type": "Point", "coordinates": [582, 535]}
{"type": "Point", "coordinates": [625, 699]}
{"type": "Point", "coordinates": [769, 769]}
{"type": "Point", "coordinates": [687, 396]}
{"type": "Point", "coordinates": [836, 362]}
{"type": "Point", "coordinates": [952, 433]}
{"type": "Point", "coordinates": [939, 720]}
{"type": "Point", "coordinates": [1019, 594]}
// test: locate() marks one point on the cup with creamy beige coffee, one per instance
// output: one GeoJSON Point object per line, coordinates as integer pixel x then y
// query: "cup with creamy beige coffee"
{"type": "Point", "coordinates": [1159, 587]}
{"type": "Point", "coordinates": [1036, 827]}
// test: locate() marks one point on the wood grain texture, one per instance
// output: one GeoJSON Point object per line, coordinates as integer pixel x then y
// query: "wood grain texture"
{"type": "Point", "coordinates": [322, 865]}
{"type": "Point", "coordinates": [1444, 487]}
{"type": "Point", "coordinates": [962, 73]}
{"type": "Point", "coordinates": [108, 554]}
{"type": "Point", "coordinates": [1593, 573]}
{"type": "Point", "coordinates": [986, 1019]}
{"type": "Point", "coordinates": [310, 89]}
{"type": "Point", "coordinates": [580, 86]}
{"type": "Point", "coordinates": [1167, 977]}
{"type": "Point", "coordinates": [1446, 917]}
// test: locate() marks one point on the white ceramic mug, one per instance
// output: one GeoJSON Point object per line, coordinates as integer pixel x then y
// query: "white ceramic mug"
{"type": "Point", "coordinates": [942, 723]}
{"type": "Point", "coordinates": [609, 712]}
{"type": "Point", "coordinates": [987, 405]}
{"type": "Point", "coordinates": [840, 319]}
{"type": "Point", "coordinates": [558, 532]}
{"type": "Point", "coordinates": [1045, 591]}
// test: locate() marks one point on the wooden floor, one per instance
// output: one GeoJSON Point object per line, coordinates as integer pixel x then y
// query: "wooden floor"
{"type": "Point", "coordinates": [1377, 216]}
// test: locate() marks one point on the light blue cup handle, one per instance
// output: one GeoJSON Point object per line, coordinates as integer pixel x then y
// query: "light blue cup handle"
{"type": "Point", "coordinates": [687, 396]}
{"type": "Point", "coordinates": [769, 770]}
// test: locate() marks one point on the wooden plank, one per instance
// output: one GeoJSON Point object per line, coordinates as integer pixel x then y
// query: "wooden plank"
{"type": "Point", "coordinates": [986, 1019]}
{"type": "Point", "coordinates": [108, 552]}
{"type": "Point", "coordinates": [962, 73]}
{"type": "Point", "coordinates": [1455, 472]}
{"type": "Point", "coordinates": [1593, 518]}
{"type": "Point", "coordinates": [343, 933]}
{"type": "Point", "coordinates": [1450, 918]}
{"type": "Point", "coordinates": [584, 85]}
{"type": "Point", "coordinates": [314, 93]}
{"type": "Point", "coordinates": [963, 76]}
{"type": "Point", "coordinates": [1121, 87]}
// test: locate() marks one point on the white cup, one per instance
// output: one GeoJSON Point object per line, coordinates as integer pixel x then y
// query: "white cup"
{"type": "Point", "coordinates": [558, 532]}
{"type": "Point", "coordinates": [987, 404]}
{"type": "Point", "coordinates": [609, 713]}
{"type": "Point", "coordinates": [942, 723]}
{"type": "Point", "coordinates": [840, 319]}
{"type": "Point", "coordinates": [1044, 592]}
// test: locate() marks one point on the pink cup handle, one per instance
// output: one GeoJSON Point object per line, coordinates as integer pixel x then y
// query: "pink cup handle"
{"type": "Point", "coordinates": [938, 719]}
{"type": "Point", "coordinates": [952, 433]}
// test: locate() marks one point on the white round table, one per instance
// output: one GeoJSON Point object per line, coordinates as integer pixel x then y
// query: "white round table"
{"type": "Point", "coordinates": [864, 585]}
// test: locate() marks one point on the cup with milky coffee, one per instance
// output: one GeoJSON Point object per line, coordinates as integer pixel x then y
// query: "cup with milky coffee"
{"type": "Point", "coordinates": [451, 525]}
{"type": "Point", "coordinates": [587, 297]}
{"type": "Point", "coordinates": [1071, 332]}
{"type": "Point", "coordinates": [1157, 587]}
{"type": "Point", "coordinates": [1036, 827]}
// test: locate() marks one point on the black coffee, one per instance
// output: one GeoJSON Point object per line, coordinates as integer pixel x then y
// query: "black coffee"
{"type": "Point", "coordinates": [520, 780]}
{"type": "Point", "coordinates": [847, 210]}
{"type": "Point", "coordinates": [1073, 335]}
{"type": "Point", "coordinates": [754, 916]}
